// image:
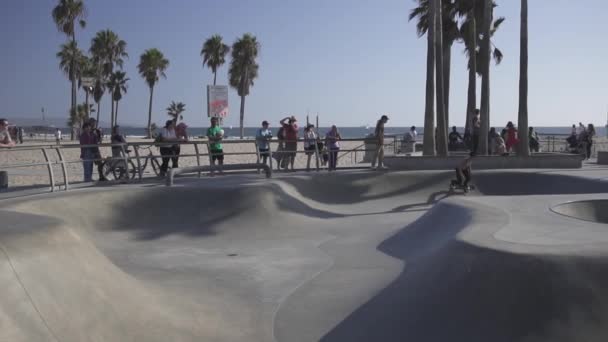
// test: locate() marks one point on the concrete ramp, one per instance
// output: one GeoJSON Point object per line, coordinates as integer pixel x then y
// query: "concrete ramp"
{"type": "Point", "coordinates": [592, 210]}
{"type": "Point", "coordinates": [354, 256]}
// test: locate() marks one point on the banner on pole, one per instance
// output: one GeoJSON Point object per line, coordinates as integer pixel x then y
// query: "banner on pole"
{"type": "Point", "coordinates": [217, 101]}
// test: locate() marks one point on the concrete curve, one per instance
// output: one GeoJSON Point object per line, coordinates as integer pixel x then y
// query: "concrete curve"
{"type": "Point", "coordinates": [355, 256]}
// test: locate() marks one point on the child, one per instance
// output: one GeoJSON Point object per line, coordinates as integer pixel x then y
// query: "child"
{"type": "Point", "coordinates": [463, 171]}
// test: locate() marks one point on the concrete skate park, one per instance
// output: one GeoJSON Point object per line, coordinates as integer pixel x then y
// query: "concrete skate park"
{"type": "Point", "coordinates": [348, 256]}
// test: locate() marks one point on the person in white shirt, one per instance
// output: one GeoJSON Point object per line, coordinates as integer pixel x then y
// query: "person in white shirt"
{"type": "Point", "coordinates": [263, 137]}
{"type": "Point", "coordinates": [411, 135]}
{"type": "Point", "coordinates": [166, 150]}
{"type": "Point", "coordinates": [5, 136]}
{"type": "Point", "coordinates": [310, 143]}
{"type": "Point", "coordinates": [58, 136]}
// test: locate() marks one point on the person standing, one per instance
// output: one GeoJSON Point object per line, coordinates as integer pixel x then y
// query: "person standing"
{"type": "Point", "coordinates": [492, 140]}
{"type": "Point", "coordinates": [181, 134]}
{"type": "Point", "coordinates": [476, 130]}
{"type": "Point", "coordinates": [5, 136]}
{"type": "Point", "coordinates": [378, 159]}
{"type": "Point", "coordinates": [512, 139]}
{"type": "Point", "coordinates": [332, 140]}
{"type": "Point", "coordinates": [533, 141]}
{"type": "Point", "coordinates": [587, 138]}
{"type": "Point", "coordinates": [98, 135]}
{"type": "Point", "coordinates": [310, 144]}
{"type": "Point", "coordinates": [262, 138]}
{"type": "Point", "coordinates": [167, 136]}
{"type": "Point", "coordinates": [58, 136]}
{"type": "Point", "coordinates": [87, 153]}
{"type": "Point", "coordinates": [20, 132]}
{"type": "Point", "coordinates": [291, 139]}
{"type": "Point", "coordinates": [454, 138]}
{"type": "Point", "coordinates": [215, 134]}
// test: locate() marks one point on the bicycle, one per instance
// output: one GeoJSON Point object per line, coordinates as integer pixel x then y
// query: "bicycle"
{"type": "Point", "coordinates": [119, 170]}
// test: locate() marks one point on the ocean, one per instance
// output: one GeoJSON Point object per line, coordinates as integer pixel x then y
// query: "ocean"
{"type": "Point", "coordinates": [346, 132]}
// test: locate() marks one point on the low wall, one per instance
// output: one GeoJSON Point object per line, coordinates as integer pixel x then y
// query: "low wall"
{"type": "Point", "coordinates": [538, 161]}
{"type": "Point", "coordinates": [602, 157]}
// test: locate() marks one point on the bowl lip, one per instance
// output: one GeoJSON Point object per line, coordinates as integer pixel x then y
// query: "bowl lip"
{"type": "Point", "coordinates": [553, 209]}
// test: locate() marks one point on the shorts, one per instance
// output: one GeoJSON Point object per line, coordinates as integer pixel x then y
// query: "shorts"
{"type": "Point", "coordinates": [310, 150]}
{"type": "Point", "coordinates": [217, 155]}
{"type": "Point", "coordinates": [264, 152]}
{"type": "Point", "coordinates": [291, 148]}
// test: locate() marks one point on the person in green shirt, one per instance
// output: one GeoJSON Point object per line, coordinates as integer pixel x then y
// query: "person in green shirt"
{"type": "Point", "coordinates": [215, 134]}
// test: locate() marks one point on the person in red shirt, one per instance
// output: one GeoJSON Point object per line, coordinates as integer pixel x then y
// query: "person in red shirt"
{"type": "Point", "coordinates": [290, 128]}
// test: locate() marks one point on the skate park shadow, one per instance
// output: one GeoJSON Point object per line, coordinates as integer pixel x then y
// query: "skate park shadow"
{"type": "Point", "coordinates": [450, 290]}
{"type": "Point", "coordinates": [350, 188]}
{"type": "Point", "coordinates": [518, 183]}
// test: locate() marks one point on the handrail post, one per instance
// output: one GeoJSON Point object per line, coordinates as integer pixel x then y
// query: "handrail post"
{"type": "Point", "coordinates": [198, 157]}
{"type": "Point", "coordinates": [211, 165]}
{"type": "Point", "coordinates": [257, 153]}
{"type": "Point", "coordinates": [317, 155]}
{"type": "Point", "coordinates": [140, 171]}
{"type": "Point", "coordinates": [270, 155]}
{"type": "Point", "coordinates": [50, 168]}
{"type": "Point", "coordinates": [63, 168]}
{"type": "Point", "coordinates": [126, 160]}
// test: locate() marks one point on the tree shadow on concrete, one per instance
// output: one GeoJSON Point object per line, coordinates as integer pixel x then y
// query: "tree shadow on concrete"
{"type": "Point", "coordinates": [450, 290]}
{"type": "Point", "coordinates": [523, 183]}
{"type": "Point", "coordinates": [347, 188]}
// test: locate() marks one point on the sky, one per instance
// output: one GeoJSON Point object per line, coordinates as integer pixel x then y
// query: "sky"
{"type": "Point", "coordinates": [347, 60]}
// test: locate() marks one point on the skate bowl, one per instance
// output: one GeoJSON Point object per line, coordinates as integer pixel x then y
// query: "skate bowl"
{"type": "Point", "coordinates": [592, 210]}
{"type": "Point", "coordinates": [347, 256]}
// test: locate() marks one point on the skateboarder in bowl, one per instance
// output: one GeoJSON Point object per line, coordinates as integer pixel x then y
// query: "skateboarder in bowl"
{"type": "Point", "coordinates": [463, 174]}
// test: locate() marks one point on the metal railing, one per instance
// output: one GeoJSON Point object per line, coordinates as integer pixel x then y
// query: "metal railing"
{"type": "Point", "coordinates": [137, 158]}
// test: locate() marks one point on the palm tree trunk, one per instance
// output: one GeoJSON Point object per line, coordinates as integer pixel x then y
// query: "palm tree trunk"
{"type": "Point", "coordinates": [98, 108]}
{"type": "Point", "coordinates": [442, 146]}
{"type": "Point", "coordinates": [150, 113]}
{"type": "Point", "coordinates": [73, 104]}
{"type": "Point", "coordinates": [472, 91]}
{"type": "Point", "coordinates": [522, 120]}
{"type": "Point", "coordinates": [112, 114]}
{"type": "Point", "coordinates": [86, 103]}
{"type": "Point", "coordinates": [447, 66]}
{"type": "Point", "coordinates": [485, 80]}
{"type": "Point", "coordinates": [242, 116]}
{"type": "Point", "coordinates": [214, 76]}
{"type": "Point", "coordinates": [115, 114]}
{"type": "Point", "coordinates": [428, 147]}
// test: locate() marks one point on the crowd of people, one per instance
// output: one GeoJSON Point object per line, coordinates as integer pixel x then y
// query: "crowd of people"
{"type": "Point", "coordinates": [326, 148]}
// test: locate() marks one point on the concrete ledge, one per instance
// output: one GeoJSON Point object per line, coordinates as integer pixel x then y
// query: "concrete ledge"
{"type": "Point", "coordinates": [537, 161]}
{"type": "Point", "coordinates": [602, 157]}
{"type": "Point", "coordinates": [228, 167]}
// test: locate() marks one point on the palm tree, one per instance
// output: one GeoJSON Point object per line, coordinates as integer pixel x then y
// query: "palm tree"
{"type": "Point", "coordinates": [78, 116]}
{"type": "Point", "coordinates": [117, 86]}
{"type": "Point", "coordinates": [471, 30]}
{"type": "Point", "coordinates": [485, 78]}
{"type": "Point", "coordinates": [214, 53]}
{"type": "Point", "coordinates": [244, 69]}
{"type": "Point", "coordinates": [450, 33]}
{"type": "Point", "coordinates": [108, 52]}
{"type": "Point", "coordinates": [442, 146]}
{"type": "Point", "coordinates": [522, 119]}
{"type": "Point", "coordinates": [152, 66]}
{"type": "Point", "coordinates": [175, 110]}
{"type": "Point", "coordinates": [65, 15]}
{"type": "Point", "coordinates": [429, 107]}
{"type": "Point", "coordinates": [98, 90]}
{"type": "Point", "coordinates": [71, 60]}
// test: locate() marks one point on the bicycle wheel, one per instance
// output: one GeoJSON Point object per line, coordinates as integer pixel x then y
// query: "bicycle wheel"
{"type": "Point", "coordinates": [119, 171]}
{"type": "Point", "coordinates": [155, 165]}
{"type": "Point", "coordinates": [133, 172]}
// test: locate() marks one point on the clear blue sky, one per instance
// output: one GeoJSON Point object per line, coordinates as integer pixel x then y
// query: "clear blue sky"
{"type": "Point", "coordinates": [349, 60]}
